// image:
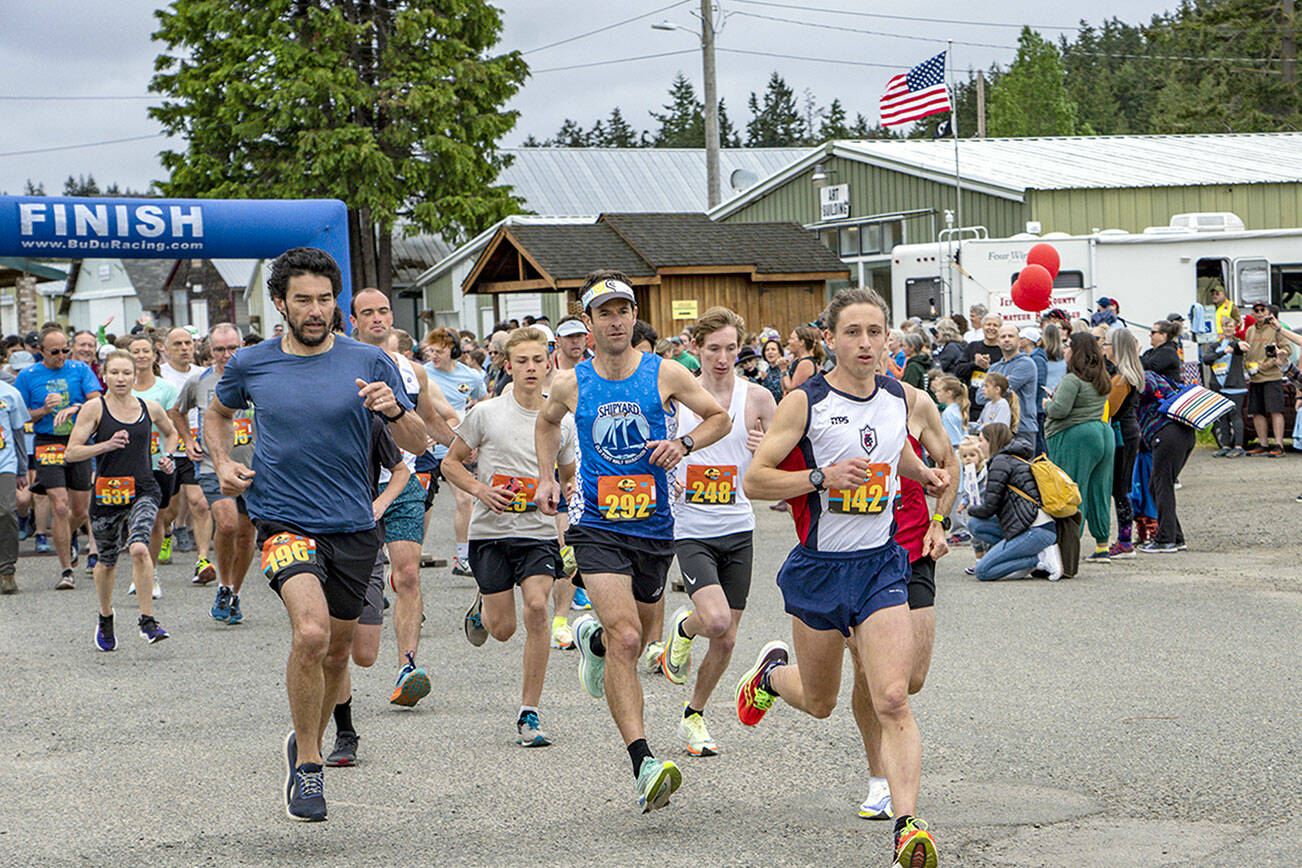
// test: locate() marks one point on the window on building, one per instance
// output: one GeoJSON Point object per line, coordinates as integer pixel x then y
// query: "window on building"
{"type": "Point", "coordinates": [1286, 285]}
{"type": "Point", "coordinates": [849, 241]}
{"type": "Point", "coordinates": [921, 297]}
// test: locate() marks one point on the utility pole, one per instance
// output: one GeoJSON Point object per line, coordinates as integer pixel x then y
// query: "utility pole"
{"type": "Point", "coordinates": [712, 103]}
{"type": "Point", "coordinates": [1288, 47]}
{"type": "Point", "coordinates": [981, 104]}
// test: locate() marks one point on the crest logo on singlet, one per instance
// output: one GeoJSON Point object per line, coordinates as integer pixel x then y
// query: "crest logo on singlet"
{"type": "Point", "coordinates": [868, 435]}
{"type": "Point", "coordinates": [620, 432]}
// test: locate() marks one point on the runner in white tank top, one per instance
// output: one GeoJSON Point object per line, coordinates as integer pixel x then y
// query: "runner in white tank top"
{"type": "Point", "coordinates": [714, 523]}
{"type": "Point", "coordinates": [834, 450]}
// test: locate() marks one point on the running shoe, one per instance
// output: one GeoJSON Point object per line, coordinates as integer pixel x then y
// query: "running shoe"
{"type": "Point", "coordinates": [877, 806]}
{"type": "Point", "coordinates": [958, 538]}
{"type": "Point", "coordinates": [131, 589]}
{"type": "Point", "coordinates": [461, 568]}
{"type": "Point", "coordinates": [1121, 551]}
{"type": "Point", "coordinates": [236, 615]}
{"type": "Point", "coordinates": [150, 630]}
{"type": "Point", "coordinates": [752, 699]}
{"type": "Point", "coordinates": [651, 656]}
{"type": "Point", "coordinates": [7, 584]}
{"type": "Point", "coordinates": [412, 685]}
{"type": "Point", "coordinates": [1257, 450]}
{"type": "Point", "coordinates": [530, 731]}
{"type": "Point", "coordinates": [345, 750]}
{"type": "Point", "coordinates": [562, 635]}
{"type": "Point", "coordinates": [67, 581]}
{"type": "Point", "coordinates": [569, 563]}
{"type": "Point", "coordinates": [42, 544]}
{"type": "Point", "coordinates": [475, 630]}
{"type": "Point", "coordinates": [105, 639]}
{"type": "Point", "coordinates": [1181, 547]}
{"type": "Point", "coordinates": [221, 607]}
{"type": "Point", "coordinates": [24, 527]}
{"type": "Point", "coordinates": [1100, 556]}
{"type": "Point", "coordinates": [184, 540]}
{"type": "Point", "coordinates": [656, 782]}
{"type": "Point", "coordinates": [592, 669]}
{"type": "Point", "coordinates": [165, 550]}
{"type": "Point", "coordinates": [580, 603]}
{"type": "Point", "coordinates": [1222, 452]}
{"type": "Point", "coordinates": [1152, 547]}
{"type": "Point", "coordinates": [914, 846]}
{"type": "Point", "coordinates": [1236, 452]}
{"type": "Point", "coordinates": [158, 589]}
{"type": "Point", "coordinates": [676, 660]}
{"type": "Point", "coordinates": [204, 572]}
{"type": "Point", "coordinates": [1050, 561]}
{"type": "Point", "coordinates": [74, 552]}
{"type": "Point", "coordinates": [304, 786]}
{"type": "Point", "coordinates": [969, 571]}
{"type": "Point", "coordinates": [693, 733]}
{"type": "Point", "coordinates": [1276, 450]}
{"type": "Point", "coordinates": [91, 560]}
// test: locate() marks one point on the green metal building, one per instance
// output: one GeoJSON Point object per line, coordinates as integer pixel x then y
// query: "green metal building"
{"type": "Point", "coordinates": [864, 197]}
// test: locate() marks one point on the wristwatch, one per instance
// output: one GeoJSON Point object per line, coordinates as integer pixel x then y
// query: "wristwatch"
{"type": "Point", "coordinates": [944, 521]}
{"type": "Point", "coordinates": [816, 479]}
{"type": "Point", "coordinates": [401, 413]}
{"type": "Point", "coordinates": [688, 444]}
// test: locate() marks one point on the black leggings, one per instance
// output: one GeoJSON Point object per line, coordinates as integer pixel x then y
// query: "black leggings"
{"type": "Point", "coordinates": [1228, 429]}
{"type": "Point", "coordinates": [1172, 445]}
{"type": "Point", "coordinates": [1123, 468]}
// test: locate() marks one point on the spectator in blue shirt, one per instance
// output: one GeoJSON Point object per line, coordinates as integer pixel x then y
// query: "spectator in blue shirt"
{"type": "Point", "coordinates": [1022, 379]}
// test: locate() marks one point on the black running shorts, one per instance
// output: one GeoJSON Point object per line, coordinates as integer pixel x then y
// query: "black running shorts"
{"type": "Point", "coordinates": [922, 583]}
{"type": "Point", "coordinates": [53, 472]}
{"type": "Point", "coordinates": [723, 560]}
{"type": "Point", "coordinates": [185, 472]}
{"type": "Point", "coordinates": [1266, 398]}
{"type": "Point", "coordinates": [643, 559]}
{"type": "Point", "coordinates": [501, 564]}
{"type": "Point", "coordinates": [342, 562]}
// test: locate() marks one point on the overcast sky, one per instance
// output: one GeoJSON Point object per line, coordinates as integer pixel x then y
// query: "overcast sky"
{"type": "Point", "coordinates": [89, 48]}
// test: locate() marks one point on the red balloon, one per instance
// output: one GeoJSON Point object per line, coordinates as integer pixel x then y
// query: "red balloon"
{"type": "Point", "coordinates": [1045, 256]}
{"type": "Point", "coordinates": [1038, 285]}
{"type": "Point", "coordinates": [1021, 298]}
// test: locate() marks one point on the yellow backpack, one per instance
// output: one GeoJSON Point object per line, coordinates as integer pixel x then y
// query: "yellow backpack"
{"type": "Point", "coordinates": [1059, 495]}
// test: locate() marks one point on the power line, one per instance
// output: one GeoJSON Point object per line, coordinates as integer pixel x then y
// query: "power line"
{"type": "Point", "coordinates": [83, 145]}
{"type": "Point", "coordinates": [92, 97]}
{"type": "Point", "coordinates": [605, 28]}
{"type": "Point", "coordinates": [835, 60]}
{"type": "Point", "coordinates": [858, 14]}
{"type": "Point", "coordinates": [617, 60]}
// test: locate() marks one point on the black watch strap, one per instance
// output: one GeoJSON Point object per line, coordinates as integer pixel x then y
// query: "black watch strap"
{"type": "Point", "coordinates": [401, 413]}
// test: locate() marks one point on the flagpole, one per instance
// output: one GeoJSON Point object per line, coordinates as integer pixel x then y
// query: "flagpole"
{"type": "Point", "coordinates": [958, 178]}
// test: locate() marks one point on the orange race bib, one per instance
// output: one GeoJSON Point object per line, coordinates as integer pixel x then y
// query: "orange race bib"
{"type": "Point", "coordinates": [626, 498]}
{"type": "Point", "coordinates": [153, 443]}
{"type": "Point", "coordinates": [50, 454]}
{"type": "Point", "coordinates": [284, 550]}
{"type": "Point", "coordinates": [868, 499]}
{"type": "Point", "coordinates": [711, 485]}
{"type": "Point", "coordinates": [524, 487]}
{"type": "Point", "coordinates": [115, 490]}
{"type": "Point", "coordinates": [243, 432]}
{"type": "Point", "coordinates": [27, 428]}
{"type": "Point", "coordinates": [424, 480]}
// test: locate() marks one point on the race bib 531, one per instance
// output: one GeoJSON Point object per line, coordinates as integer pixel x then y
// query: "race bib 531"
{"type": "Point", "coordinates": [868, 499]}
{"type": "Point", "coordinates": [626, 498]}
{"type": "Point", "coordinates": [115, 490]}
{"type": "Point", "coordinates": [711, 485]}
{"type": "Point", "coordinates": [284, 550]}
{"type": "Point", "coordinates": [524, 488]}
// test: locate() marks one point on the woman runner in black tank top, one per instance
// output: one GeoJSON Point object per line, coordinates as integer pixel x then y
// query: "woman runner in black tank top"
{"type": "Point", "coordinates": [119, 465]}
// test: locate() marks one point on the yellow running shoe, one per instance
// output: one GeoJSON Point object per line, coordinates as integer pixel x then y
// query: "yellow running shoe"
{"type": "Point", "coordinates": [914, 846]}
{"type": "Point", "coordinates": [562, 635]}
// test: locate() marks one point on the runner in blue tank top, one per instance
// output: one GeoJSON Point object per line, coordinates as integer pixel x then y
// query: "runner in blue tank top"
{"type": "Point", "coordinates": [621, 526]}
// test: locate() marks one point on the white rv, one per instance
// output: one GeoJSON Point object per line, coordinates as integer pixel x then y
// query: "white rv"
{"type": "Point", "coordinates": [1160, 271]}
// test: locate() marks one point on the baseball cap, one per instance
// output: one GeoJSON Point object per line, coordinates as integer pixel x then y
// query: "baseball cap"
{"type": "Point", "coordinates": [20, 360]}
{"type": "Point", "coordinates": [571, 327]}
{"type": "Point", "coordinates": [551, 339]}
{"type": "Point", "coordinates": [31, 338]}
{"type": "Point", "coordinates": [607, 290]}
{"type": "Point", "coordinates": [1030, 333]}
{"type": "Point", "coordinates": [1105, 301]}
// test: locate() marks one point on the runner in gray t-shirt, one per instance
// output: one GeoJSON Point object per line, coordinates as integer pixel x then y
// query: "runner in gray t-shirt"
{"type": "Point", "coordinates": [233, 533]}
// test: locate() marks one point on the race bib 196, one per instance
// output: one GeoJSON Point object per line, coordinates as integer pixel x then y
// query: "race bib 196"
{"type": "Point", "coordinates": [524, 488]}
{"type": "Point", "coordinates": [868, 499]}
{"type": "Point", "coordinates": [286, 549]}
{"type": "Point", "coordinates": [711, 485]}
{"type": "Point", "coordinates": [626, 498]}
{"type": "Point", "coordinates": [115, 490]}
{"type": "Point", "coordinates": [243, 432]}
{"type": "Point", "coordinates": [50, 454]}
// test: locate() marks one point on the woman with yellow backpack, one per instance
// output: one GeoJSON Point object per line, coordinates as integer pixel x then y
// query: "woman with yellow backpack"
{"type": "Point", "coordinates": [1010, 516]}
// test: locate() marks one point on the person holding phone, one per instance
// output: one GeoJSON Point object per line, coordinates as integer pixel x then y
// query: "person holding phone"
{"type": "Point", "coordinates": [1265, 381]}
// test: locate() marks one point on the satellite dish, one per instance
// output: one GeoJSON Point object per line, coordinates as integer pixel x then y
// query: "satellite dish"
{"type": "Point", "coordinates": [740, 179]}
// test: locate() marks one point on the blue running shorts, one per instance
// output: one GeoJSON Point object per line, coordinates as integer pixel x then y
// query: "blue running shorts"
{"type": "Point", "coordinates": [405, 517]}
{"type": "Point", "coordinates": [839, 590]}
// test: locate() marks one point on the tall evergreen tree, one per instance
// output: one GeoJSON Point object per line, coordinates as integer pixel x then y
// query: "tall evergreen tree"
{"type": "Point", "coordinates": [834, 124]}
{"type": "Point", "coordinates": [619, 134]}
{"type": "Point", "coordinates": [777, 122]}
{"type": "Point", "coordinates": [728, 135]}
{"type": "Point", "coordinates": [82, 185]}
{"type": "Point", "coordinates": [394, 106]}
{"type": "Point", "coordinates": [1031, 98]}
{"type": "Point", "coordinates": [682, 125]}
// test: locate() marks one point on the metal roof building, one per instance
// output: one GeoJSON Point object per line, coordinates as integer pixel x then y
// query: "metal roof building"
{"type": "Point", "coordinates": [898, 191]}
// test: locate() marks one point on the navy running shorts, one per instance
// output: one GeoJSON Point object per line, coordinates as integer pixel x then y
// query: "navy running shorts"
{"type": "Point", "coordinates": [839, 590]}
{"type": "Point", "coordinates": [341, 562]}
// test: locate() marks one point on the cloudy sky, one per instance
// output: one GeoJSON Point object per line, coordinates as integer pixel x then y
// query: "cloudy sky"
{"type": "Point", "coordinates": [59, 49]}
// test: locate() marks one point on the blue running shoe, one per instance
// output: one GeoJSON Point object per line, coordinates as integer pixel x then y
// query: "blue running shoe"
{"type": "Point", "coordinates": [531, 732]}
{"type": "Point", "coordinates": [592, 669]}
{"type": "Point", "coordinates": [105, 640]}
{"type": "Point", "coordinates": [236, 615]}
{"type": "Point", "coordinates": [656, 782]}
{"type": "Point", "coordinates": [221, 607]}
{"type": "Point", "coordinates": [476, 632]}
{"type": "Point", "coordinates": [581, 601]}
{"type": "Point", "coordinates": [42, 544]}
{"type": "Point", "coordinates": [151, 631]}
{"type": "Point", "coordinates": [412, 686]}
{"type": "Point", "coordinates": [304, 786]}
{"type": "Point", "coordinates": [24, 528]}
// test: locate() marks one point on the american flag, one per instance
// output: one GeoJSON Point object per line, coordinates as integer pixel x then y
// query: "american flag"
{"type": "Point", "coordinates": [916, 93]}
